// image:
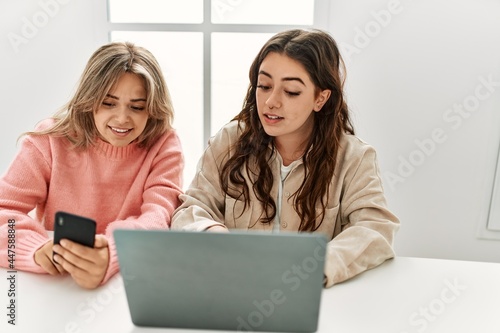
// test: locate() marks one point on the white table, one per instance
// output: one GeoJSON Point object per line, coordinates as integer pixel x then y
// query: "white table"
{"type": "Point", "coordinates": [404, 295]}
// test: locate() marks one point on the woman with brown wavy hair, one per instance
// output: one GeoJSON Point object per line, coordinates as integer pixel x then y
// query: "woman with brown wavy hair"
{"type": "Point", "coordinates": [289, 161]}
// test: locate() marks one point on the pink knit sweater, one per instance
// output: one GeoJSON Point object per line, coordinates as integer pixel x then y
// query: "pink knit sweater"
{"type": "Point", "coordinates": [119, 187]}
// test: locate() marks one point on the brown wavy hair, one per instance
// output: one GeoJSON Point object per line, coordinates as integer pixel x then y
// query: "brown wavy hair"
{"type": "Point", "coordinates": [317, 51]}
{"type": "Point", "coordinates": [75, 120]}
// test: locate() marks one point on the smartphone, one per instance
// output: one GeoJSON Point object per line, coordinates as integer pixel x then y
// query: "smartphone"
{"type": "Point", "coordinates": [76, 228]}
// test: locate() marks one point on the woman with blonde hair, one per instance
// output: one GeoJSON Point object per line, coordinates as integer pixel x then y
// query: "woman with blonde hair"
{"type": "Point", "coordinates": [290, 162]}
{"type": "Point", "coordinates": [110, 154]}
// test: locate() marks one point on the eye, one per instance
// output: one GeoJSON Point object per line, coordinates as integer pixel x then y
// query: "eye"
{"type": "Point", "coordinates": [137, 108]}
{"type": "Point", "coordinates": [263, 87]}
{"type": "Point", "coordinates": [292, 93]}
{"type": "Point", "coordinates": [108, 104]}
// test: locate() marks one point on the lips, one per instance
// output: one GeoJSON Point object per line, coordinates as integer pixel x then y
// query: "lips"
{"type": "Point", "coordinates": [120, 130]}
{"type": "Point", "coordinates": [272, 116]}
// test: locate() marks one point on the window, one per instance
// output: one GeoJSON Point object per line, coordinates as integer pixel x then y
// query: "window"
{"type": "Point", "coordinates": [492, 230]}
{"type": "Point", "coordinates": [205, 48]}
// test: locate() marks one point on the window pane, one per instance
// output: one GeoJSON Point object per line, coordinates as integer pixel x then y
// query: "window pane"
{"type": "Point", "coordinates": [293, 12]}
{"type": "Point", "coordinates": [494, 218]}
{"type": "Point", "coordinates": [232, 55]}
{"type": "Point", "coordinates": [180, 55]}
{"type": "Point", "coordinates": [156, 11]}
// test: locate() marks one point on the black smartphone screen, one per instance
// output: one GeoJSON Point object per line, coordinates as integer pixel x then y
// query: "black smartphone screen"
{"type": "Point", "coordinates": [76, 228]}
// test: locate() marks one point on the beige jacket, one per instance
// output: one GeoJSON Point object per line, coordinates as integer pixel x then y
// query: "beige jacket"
{"type": "Point", "coordinates": [357, 222]}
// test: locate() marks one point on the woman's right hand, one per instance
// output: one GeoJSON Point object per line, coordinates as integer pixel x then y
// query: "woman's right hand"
{"type": "Point", "coordinates": [43, 258]}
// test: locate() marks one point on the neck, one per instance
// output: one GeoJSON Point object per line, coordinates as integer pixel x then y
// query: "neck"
{"type": "Point", "coordinates": [290, 152]}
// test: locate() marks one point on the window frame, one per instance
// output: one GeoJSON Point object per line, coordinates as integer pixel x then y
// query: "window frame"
{"type": "Point", "coordinates": [491, 229]}
{"type": "Point", "coordinates": [103, 25]}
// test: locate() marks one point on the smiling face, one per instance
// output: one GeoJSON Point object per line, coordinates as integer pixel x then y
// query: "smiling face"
{"type": "Point", "coordinates": [122, 116]}
{"type": "Point", "coordinates": [286, 99]}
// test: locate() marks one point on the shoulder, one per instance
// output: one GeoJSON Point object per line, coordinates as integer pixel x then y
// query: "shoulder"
{"type": "Point", "coordinates": [43, 139]}
{"type": "Point", "coordinates": [356, 165]}
{"type": "Point", "coordinates": [42, 144]}
{"type": "Point", "coordinates": [168, 142]}
{"type": "Point", "coordinates": [170, 137]}
{"type": "Point", "coordinates": [353, 148]}
{"type": "Point", "coordinates": [41, 126]}
{"type": "Point", "coordinates": [227, 134]}
{"type": "Point", "coordinates": [45, 124]}
{"type": "Point", "coordinates": [219, 145]}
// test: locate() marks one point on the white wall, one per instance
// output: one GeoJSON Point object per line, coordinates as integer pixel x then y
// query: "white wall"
{"type": "Point", "coordinates": [411, 64]}
{"type": "Point", "coordinates": [44, 45]}
{"type": "Point", "coordinates": [403, 80]}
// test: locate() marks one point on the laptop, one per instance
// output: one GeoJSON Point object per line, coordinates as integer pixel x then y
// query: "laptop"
{"type": "Point", "coordinates": [240, 281]}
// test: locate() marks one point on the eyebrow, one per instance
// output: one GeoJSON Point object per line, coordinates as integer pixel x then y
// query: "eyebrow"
{"type": "Point", "coordinates": [283, 79]}
{"type": "Point", "coordinates": [132, 100]}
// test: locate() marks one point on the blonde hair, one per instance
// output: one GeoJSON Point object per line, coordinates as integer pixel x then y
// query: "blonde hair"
{"type": "Point", "coordinates": [75, 120]}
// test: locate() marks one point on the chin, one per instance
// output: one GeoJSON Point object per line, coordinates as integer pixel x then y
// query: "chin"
{"type": "Point", "coordinates": [269, 132]}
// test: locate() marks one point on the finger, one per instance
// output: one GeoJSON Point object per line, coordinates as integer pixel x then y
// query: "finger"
{"type": "Point", "coordinates": [59, 254]}
{"type": "Point", "coordinates": [51, 266]}
{"type": "Point", "coordinates": [48, 266]}
{"type": "Point", "coordinates": [100, 241]}
{"type": "Point", "coordinates": [68, 266]}
{"type": "Point", "coordinates": [43, 258]}
{"type": "Point", "coordinates": [88, 279]}
{"type": "Point", "coordinates": [69, 261]}
{"type": "Point", "coordinates": [78, 250]}
{"type": "Point", "coordinates": [59, 268]}
{"type": "Point", "coordinates": [52, 259]}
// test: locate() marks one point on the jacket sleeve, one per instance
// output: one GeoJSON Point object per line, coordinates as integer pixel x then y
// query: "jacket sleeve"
{"type": "Point", "coordinates": [202, 205]}
{"type": "Point", "coordinates": [368, 227]}
{"type": "Point", "coordinates": [160, 197]}
{"type": "Point", "coordinates": [22, 187]}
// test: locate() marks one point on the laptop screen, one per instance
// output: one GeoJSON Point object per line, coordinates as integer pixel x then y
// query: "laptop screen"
{"type": "Point", "coordinates": [241, 281]}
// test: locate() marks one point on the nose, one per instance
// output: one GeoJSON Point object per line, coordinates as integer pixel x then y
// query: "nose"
{"type": "Point", "coordinates": [274, 100]}
{"type": "Point", "coordinates": [122, 115]}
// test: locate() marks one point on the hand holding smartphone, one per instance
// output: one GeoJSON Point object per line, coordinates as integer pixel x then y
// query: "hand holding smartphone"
{"type": "Point", "coordinates": [76, 228]}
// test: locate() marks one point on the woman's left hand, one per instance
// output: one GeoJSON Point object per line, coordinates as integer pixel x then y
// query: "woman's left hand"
{"type": "Point", "coordinates": [87, 266]}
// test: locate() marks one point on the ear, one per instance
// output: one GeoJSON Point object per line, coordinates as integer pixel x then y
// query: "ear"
{"type": "Point", "coordinates": [322, 98]}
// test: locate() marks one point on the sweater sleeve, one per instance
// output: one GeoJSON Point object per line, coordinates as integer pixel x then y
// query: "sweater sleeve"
{"type": "Point", "coordinates": [22, 187]}
{"type": "Point", "coordinates": [160, 197]}
{"type": "Point", "coordinates": [368, 230]}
